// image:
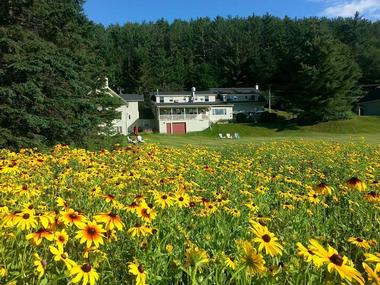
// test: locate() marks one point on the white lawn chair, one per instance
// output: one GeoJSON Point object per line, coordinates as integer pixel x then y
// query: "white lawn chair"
{"type": "Point", "coordinates": [228, 135]}
{"type": "Point", "coordinates": [221, 136]}
{"type": "Point", "coordinates": [140, 139]}
{"type": "Point", "coordinates": [131, 140]}
{"type": "Point", "coordinates": [236, 136]}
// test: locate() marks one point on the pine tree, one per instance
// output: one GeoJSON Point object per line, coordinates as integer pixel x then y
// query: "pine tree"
{"type": "Point", "coordinates": [48, 70]}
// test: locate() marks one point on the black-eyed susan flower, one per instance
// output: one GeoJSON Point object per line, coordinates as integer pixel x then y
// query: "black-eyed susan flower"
{"type": "Point", "coordinates": [72, 217]}
{"type": "Point", "coordinates": [356, 183]}
{"type": "Point", "coordinates": [359, 242]}
{"type": "Point", "coordinates": [373, 275]}
{"type": "Point", "coordinates": [140, 230]}
{"type": "Point", "coordinates": [323, 188]}
{"type": "Point", "coordinates": [60, 255]}
{"type": "Point", "coordinates": [110, 219]}
{"type": "Point", "coordinates": [196, 257]}
{"type": "Point", "coordinates": [138, 271]}
{"type": "Point", "coordinates": [373, 258]}
{"type": "Point", "coordinates": [40, 265]}
{"type": "Point", "coordinates": [39, 235]}
{"type": "Point", "coordinates": [336, 262]}
{"type": "Point", "coordinates": [309, 255]}
{"type": "Point", "coordinates": [163, 200]}
{"type": "Point", "coordinates": [251, 259]}
{"type": "Point", "coordinates": [230, 262]}
{"type": "Point", "coordinates": [182, 199]}
{"type": "Point", "coordinates": [85, 272]}
{"type": "Point", "coordinates": [266, 240]}
{"type": "Point", "coordinates": [90, 233]}
{"type": "Point", "coordinates": [61, 238]}
{"type": "Point", "coordinates": [26, 220]}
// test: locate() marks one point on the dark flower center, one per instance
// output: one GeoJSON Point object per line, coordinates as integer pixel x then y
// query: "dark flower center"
{"type": "Point", "coordinates": [63, 255]}
{"type": "Point", "coordinates": [310, 252]}
{"type": "Point", "coordinates": [266, 238]}
{"type": "Point", "coordinates": [26, 216]}
{"type": "Point", "coordinates": [180, 199]}
{"type": "Point", "coordinates": [61, 238]}
{"type": "Point", "coordinates": [112, 215]}
{"type": "Point", "coordinates": [337, 259]}
{"type": "Point", "coordinates": [359, 240]}
{"type": "Point", "coordinates": [354, 181]}
{"type": "Point", "coordinates": [86, 267]}
{"type": "Point", "coordinates": [73, 216]}
{"type": "Point", "coordinates": [91, 231]}
{"type": "Point", "coordinates": [141, 269]}
{"type": "Point", "coordinates": [164, 197]}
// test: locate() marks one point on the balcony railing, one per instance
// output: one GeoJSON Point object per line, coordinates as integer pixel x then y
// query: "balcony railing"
{"type": "Point", "coordinates": [184, 117]}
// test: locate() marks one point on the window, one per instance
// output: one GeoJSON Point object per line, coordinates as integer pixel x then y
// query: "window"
{"type": "Point", "coordinates": [161, 99]}
{"type": "Point", "coordinates": [219, 112]}
{"type": "Point", "coordinates": [119, 129]}
{"type": "Point", "coordinates": [207, 99]}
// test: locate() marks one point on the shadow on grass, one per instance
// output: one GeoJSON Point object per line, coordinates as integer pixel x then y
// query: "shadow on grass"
{"type": "Point", "coordinates": [278, 124]}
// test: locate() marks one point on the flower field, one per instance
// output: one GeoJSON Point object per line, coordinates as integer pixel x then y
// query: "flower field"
{"type": "Point", "coordinates": [277, 213]}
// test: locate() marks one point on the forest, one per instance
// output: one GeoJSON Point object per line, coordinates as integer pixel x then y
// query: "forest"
{"type": "Point", "coordinates": [52, 56]}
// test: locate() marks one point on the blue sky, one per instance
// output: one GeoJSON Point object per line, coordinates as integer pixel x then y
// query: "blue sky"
{"type": "Point", "coordinates": [121, 11]}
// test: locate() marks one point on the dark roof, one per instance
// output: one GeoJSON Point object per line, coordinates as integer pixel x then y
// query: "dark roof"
{"type": "Point", "coordinates": [181, 93]}
{"type": "Point", "coordinates": [372, 95]}
{"type": "Point", "coordinates": [196, 104]}
{"type": "Point", "coordinates": [132, 97]}
{"type": "Point", "coordinates": [235, 91]}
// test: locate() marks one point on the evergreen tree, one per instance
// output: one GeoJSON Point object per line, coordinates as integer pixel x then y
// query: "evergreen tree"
{"type": "Point", "coordinates": [326, 84]}
{"type": "Point", "coordinates": [48, 69]}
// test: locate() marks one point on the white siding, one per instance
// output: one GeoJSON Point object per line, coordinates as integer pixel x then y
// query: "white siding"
{"type": "Point", "coordinates": [221, 113]}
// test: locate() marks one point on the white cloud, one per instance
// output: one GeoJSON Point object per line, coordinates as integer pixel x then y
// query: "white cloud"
{"type": "Point", "coordinates": [342, 8]}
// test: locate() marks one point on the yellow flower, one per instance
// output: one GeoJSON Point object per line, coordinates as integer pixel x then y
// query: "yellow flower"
{"type": "Point", "coordinates": [356, 183]}
{"type": "Point", "coordinates": [251, 260]}
{"type": "Point", "coordinates": [230, 262]}
{"type": "Point", "coordinates": [26, 220]}
{"type": "Point", "coordinates": [60, 255]}
{"type": "Point", "coordinates": [372, 274]}
{"type": "Point", "coordinates": [169, 248]}
{"type": "Point", "coordinates": [163, 200]}
{"type": "Point", "coordinates": [266, 240]}
{"type": "Point", "coordinates": [309, 255]}
{"type": "Point", "coordinates": [90, 234]}
{"type": "Point", "coordinates": [111, 220]}
{"type": "Point", "coordinates": [323, 188]}
{"type": "Point", "coordinates": [138, 270]}
{"type": "Point", "coordinates": [373, 258]}
{"type": "Point", "coordinates": [196, 257]}
{"type": "Point", "coordinates": [359, 242]}
{"type": "Point", "coordinates": [71, 216]}
{"type": "Point", "coordinates": [84, 272]}
{"type": "Point", "coordinates": [336, 262]}
{"type": "Point", "coordinates": [39, 235]}
{"type": "Point", "coordinates": [140, 230]}
{"type": "Point", "coordinates": [40, 265]}
{"type": "Point", "coordinates": [61, 238]}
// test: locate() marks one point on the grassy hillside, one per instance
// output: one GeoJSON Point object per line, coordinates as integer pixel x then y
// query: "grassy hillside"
{"type": "Point", "coordinates": [341, 131]}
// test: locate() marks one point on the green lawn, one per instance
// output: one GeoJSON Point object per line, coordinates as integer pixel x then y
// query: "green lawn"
{"type": "Point", "coordinates": [340, 131]}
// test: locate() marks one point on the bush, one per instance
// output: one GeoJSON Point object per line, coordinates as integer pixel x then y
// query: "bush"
{"type": "Point", "coordinates": [268, 117]}
{"type": "Point", "coordinates": [241, 118]}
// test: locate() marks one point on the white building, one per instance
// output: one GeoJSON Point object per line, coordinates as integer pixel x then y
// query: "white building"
{"type": "Point", "coordinates": [129, 111]}
{"type": "Point", "coordinates": [183, 112]}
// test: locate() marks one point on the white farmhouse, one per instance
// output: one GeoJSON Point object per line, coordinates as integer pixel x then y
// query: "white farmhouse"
{"type": "Point", "coordinates": [183, 112]}
{"type": "Point", "coordinates": [129, 111]}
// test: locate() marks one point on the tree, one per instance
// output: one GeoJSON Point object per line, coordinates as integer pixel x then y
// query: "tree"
{"type": "Point", "coordinates": [326, 84]}
{"type": "Point", "coordinates": [47, 72]}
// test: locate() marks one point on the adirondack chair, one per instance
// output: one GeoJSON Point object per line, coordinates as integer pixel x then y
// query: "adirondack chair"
{"type": "Point", "coordinates": [236, 136]}
{"type": "Point", "coordinates": [131, 141]}
{"type": "Point", "coordinates": [221, 136]}
{"type": "Point", "coordinates": [228, 135]}
{"type": "Point", "coordinates": [140, 139]}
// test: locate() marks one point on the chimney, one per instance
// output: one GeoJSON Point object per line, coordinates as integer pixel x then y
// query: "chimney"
{"type": "Point", "coordinates": [193, 89]}
{"type": "Point", "coordinates": [257, 87]}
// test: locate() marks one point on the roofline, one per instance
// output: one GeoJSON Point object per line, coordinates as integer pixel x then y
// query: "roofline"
{"type": "Point", "coordinates": [369, 101]}
{"type": "Point", "coordinates": [192, 105]}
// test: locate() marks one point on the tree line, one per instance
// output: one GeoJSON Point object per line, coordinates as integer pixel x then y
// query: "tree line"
{"type": "Point", "coordinates": [52, 56]}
